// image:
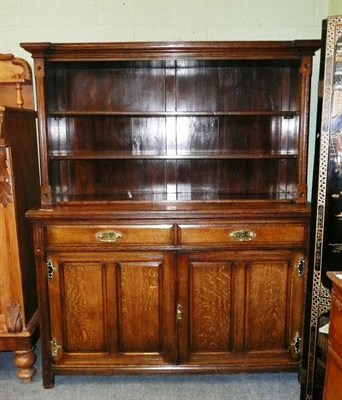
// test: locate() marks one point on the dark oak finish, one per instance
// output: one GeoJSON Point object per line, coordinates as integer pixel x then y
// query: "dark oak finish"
{"type": "Point", "coordinates": [174, 224]}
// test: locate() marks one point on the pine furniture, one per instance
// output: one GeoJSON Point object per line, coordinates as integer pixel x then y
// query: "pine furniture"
{"type": "Point", "coordinates": [333, 375]}
{"type": "Point", "coordinates": [19, 191]}
{"type": "Point", "coordinates": [173, 227]}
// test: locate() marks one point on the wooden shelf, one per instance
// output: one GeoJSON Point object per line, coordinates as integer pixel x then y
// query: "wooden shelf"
{"type": "Point", "coordinates": [190, 156]}
{"type": "Point", "coordinates": [232, 113]}
{"type": "Point", "coordinates": [190, 196]}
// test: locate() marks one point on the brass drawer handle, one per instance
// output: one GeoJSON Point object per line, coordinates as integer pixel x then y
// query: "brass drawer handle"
{"type": "Point", "coordinates": [242, 235]}
{"type": "Point", "coordinates": [108, 236]}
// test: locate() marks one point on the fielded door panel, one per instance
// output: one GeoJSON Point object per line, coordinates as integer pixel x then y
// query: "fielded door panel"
{"type": "Point", "coordinates": [239, 308]}
{"type": "Point", "coordinates": [206, 285]}
{"type": "Point", "coordinates": [112, 308]}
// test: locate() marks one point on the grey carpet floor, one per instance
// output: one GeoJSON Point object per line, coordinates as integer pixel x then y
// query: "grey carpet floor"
{"type": "Point", "coordinates": [270, 386]}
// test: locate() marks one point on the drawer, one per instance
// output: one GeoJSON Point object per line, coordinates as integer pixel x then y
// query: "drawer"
{"type": "Point", "coordinates": [111, 234]}
{"type": "Point", "coordinates": [244, 234]}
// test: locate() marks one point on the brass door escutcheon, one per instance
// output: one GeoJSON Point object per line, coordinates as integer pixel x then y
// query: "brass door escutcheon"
{"type": "Point", "coordinates": [50, 269]}
{"type": "Point", "coordinates": [300, 267]}
{"type": "Point", "coordinates": [55, 347]}
{"type": "Point", "coordinates": [179, 312]}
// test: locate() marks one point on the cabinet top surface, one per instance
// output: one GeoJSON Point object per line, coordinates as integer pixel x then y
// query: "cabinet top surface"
{"type": "Point", "coordinates": [172, 50]}
{"type": "Point", "coordinates": [336, 278]}
{"type": "Point", "coordinates": [172, 210]}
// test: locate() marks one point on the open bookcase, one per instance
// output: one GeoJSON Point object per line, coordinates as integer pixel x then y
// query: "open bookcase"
{"type": "Point", "coordinates": [194, 126]}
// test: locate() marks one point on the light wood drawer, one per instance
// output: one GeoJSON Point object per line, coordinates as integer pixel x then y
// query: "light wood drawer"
{"type": "Point", "coordinates": [244, 234]}
{"type": "Point", "coordinates": [111, 234]}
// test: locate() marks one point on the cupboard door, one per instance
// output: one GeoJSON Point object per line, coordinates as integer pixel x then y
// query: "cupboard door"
{"type": "Point", "coordinates": [240, 308]}
{"type": "Point", "coordinates": [274, 304]}
{"type": "Point", "coordinates": [112, 308]}
{"type": "Point", "coordinates": [206, 307]}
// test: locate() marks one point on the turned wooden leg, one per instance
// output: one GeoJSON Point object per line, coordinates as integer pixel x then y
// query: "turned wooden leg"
{"type": "Point", "coordinates": [24, 361]}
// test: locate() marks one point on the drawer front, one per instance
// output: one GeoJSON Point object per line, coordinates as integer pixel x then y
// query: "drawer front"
{"type": "Point", "coordinates": [111, 234]}
{"type": "Point", "coordinates": [245, 234]}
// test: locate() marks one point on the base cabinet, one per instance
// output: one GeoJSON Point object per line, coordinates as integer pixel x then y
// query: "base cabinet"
{"type": "Point", "coordinates": [172, 309]}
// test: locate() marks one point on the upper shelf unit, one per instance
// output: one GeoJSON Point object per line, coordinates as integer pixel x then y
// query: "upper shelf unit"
{"type": "Point", "coordinates": [173, 121]}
